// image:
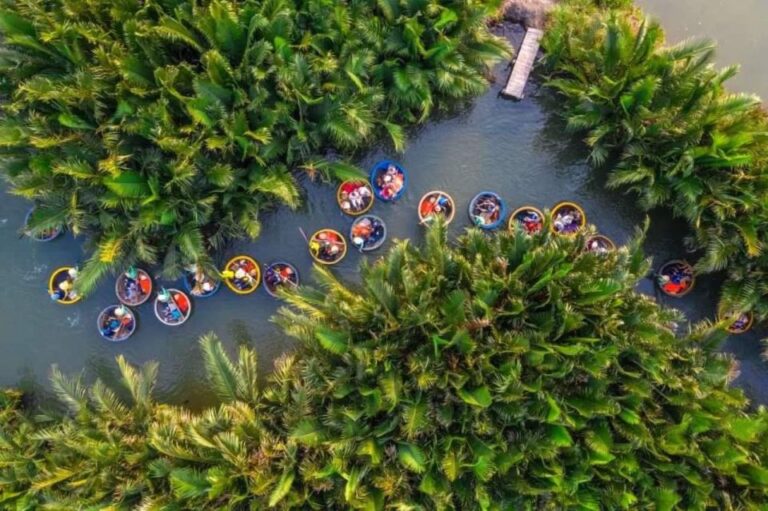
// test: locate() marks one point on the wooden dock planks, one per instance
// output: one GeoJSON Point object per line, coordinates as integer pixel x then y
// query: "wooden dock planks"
{"type": "Point", "coordinates": [526, 58]}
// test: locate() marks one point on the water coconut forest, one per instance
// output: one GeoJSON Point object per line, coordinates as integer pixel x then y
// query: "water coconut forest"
{"type": "Point", "coordinates": [309, 254]}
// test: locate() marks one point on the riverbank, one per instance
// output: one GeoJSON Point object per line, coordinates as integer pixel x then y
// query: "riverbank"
{"type": "Point", "coordinates": [531, 13]}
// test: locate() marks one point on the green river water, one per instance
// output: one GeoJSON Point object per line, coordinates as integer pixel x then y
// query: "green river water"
{"type": "Point", "coordinates": [515, 149]}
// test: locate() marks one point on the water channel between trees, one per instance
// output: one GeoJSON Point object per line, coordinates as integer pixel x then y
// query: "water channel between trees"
{"type": "Point", "coordinates": [515, 149]}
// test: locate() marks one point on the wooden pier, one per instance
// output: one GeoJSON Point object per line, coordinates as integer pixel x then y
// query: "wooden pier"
{"type": "Point", "coordinates": [526, 57]}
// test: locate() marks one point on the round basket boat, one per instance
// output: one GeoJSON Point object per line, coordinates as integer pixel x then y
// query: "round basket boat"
{"type": "Point", "coordinates": [368, 233]}
{"type": "Point", "coordinates": [487, 210]}
{"type": "Point", "coordinates": [133, 287]}
{"type": "Point", "coordinates": [175, 310]}
{"type": "Point", "coordinates": [389, 180]}
{"type": "Point", "coordinates": [355, 197]}
{"type": "Point", "coordinates": [201, 285]}
{"type": "Point", "coordinates": [527, 218]}
{"type": "Point", "coordinates": [676, 278]}
{"type": "Point", "coordinates": [435, 204]}
{"type": "Point", "coordinates": [280, 275]}
{"type": "Point", "coordinates": [568, 219]}
{"type": "Point", "coordinates": [116, 323]}
{"type": "Point", "coordinates": [60, 286]}
{"type": "Point", "coordinates": [599, 244]}
{"type": "Point", "coordinates": [327, 246]}
{"type": "Point", "coordinates": [740, 323]}
{"type": "Point", "coordinates": [43, 236]}
{"type": "Point", "coordinates": [243, 274]}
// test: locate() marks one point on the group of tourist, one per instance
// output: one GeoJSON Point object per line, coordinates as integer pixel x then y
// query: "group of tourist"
{"type": "Point", "coordinates": [243, 275]}
{"type": "Point", "coordinates": [676, 278]}
{"type": "Point", "coordinates": [390, 183]}
{"type": "Point", "coordinates": [64, 286]}
{"type": "Point", "coordinates": [368, 232]}
{"type": "Point", "coordinates": [327, 246]}
{"type": "Point", "coordinates": [355, 197]}
{"type": "Point", "coordinates": [116, 323]}
{"type": "Point", "coordinates": [436, 204]}
{"type": "Point", "coordinates": [486, 210]}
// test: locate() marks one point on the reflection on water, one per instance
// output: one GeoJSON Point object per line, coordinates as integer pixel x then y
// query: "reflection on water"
{"type": "Point", "coordinates": [738, 27]}
{"type": "Point", "coordinates": [514, 149]}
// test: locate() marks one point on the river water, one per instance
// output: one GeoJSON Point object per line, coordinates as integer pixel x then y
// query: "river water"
{"type": "Point", "coordinates": [737, 26]}
{"type": "Point", "coordinates": [513, 148]}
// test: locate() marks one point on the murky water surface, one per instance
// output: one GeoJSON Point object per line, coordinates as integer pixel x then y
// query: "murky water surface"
{"type": "Point", "coordinates": [737, 26]}
{"type": "Point", "coordinates": [512, 148]}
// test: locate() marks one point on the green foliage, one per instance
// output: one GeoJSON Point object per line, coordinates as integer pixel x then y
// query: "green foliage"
{"type": "Point", "coordinates": [513, 372]}
{"type": "Point", "coordinates": [162, 129]}
{"type": "Point", "coordinates": [503, 372]}
{"type": "Point", "coordinates": [677, 137]}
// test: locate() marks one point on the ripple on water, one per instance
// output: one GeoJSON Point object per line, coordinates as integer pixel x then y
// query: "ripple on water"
{"type": "Point", "coordinates": [73, 320]}
{"type": "Point", "coordinates": [34, 273]}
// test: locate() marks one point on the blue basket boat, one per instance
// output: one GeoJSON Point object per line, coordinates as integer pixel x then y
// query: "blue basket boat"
{"type": "Point", "coordinates": [47, 235]}
{"type": "Point", "coordinates": [368, 233]}
{"type": "Point", "coordinates": [116, 323]}
{"type": "Point", "coordinates": [191, 285]}
{"type": "Point", "coordinates": [389, 180]}
{"type": "Point", "coordinates": [280, 275]}
{"type": "Point", "coordinates": [487, 210]}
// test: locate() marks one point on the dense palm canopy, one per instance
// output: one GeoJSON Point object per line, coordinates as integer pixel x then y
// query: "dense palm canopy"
{"type": "Point", "coordinates": [161, 128]}
{"type": "Point", "coordinates": [503, 372]}
{"type": "Point", "coordinates": [676, 136]}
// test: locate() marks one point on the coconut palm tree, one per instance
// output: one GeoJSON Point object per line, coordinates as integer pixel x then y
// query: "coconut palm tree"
{"type": "Point", "coordinates": [504, 372]}
{"type": "Point", "coordinates": [160, 130]}
{"type": "Point", "coordinates": [508, 372]}
{"type": "Point", "coordinates": [676, 137]}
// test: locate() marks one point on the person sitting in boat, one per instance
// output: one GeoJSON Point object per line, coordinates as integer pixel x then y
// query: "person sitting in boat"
{"type": "Point", "coordinates": [436, 205]}
{"type": "Point", "coordinates": [171, 311]}
{"type": "Point", "coordinates": [132, 291]}
{"type": "Point", "coordinates": [741, 323]}
{"type": "Point", "coordinates": [355, 196]}
{"type": "Point", "coordinates": [362, 231]}
{"type": "Point", "coordinates": [279, 274]}
{"type": "Point", "coordinates": [326, 246]}
{"type": "Point", "coordinates": [378, 231]}
{"type": "Point", "coordinates": [65, 291]}
{"type": "Point", "coordinates": [355, 200]}
{"type": "Point", "coordinates": [429, 207]}
{"type": "Point", "coordinates": [567, 221]}
{"type": "Point", "coordinates": [135, 285]}
{"type": "Point", "coordinates": [676, 281]}
{"type": "Point", "coordinates": [531, 222]}
{"type": "Point", "coordinates": [390, 182]}
{"type": "Point", "coordinates": [486, 211]}
{"type": "Point", "coordinates": [120, 321]}
{"type": "Point", "coordinates": [598, 246]}
{"type": "Point", "coordinates": [242, 274]}
{"type": "Point", "coordinates": [203, 284]}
